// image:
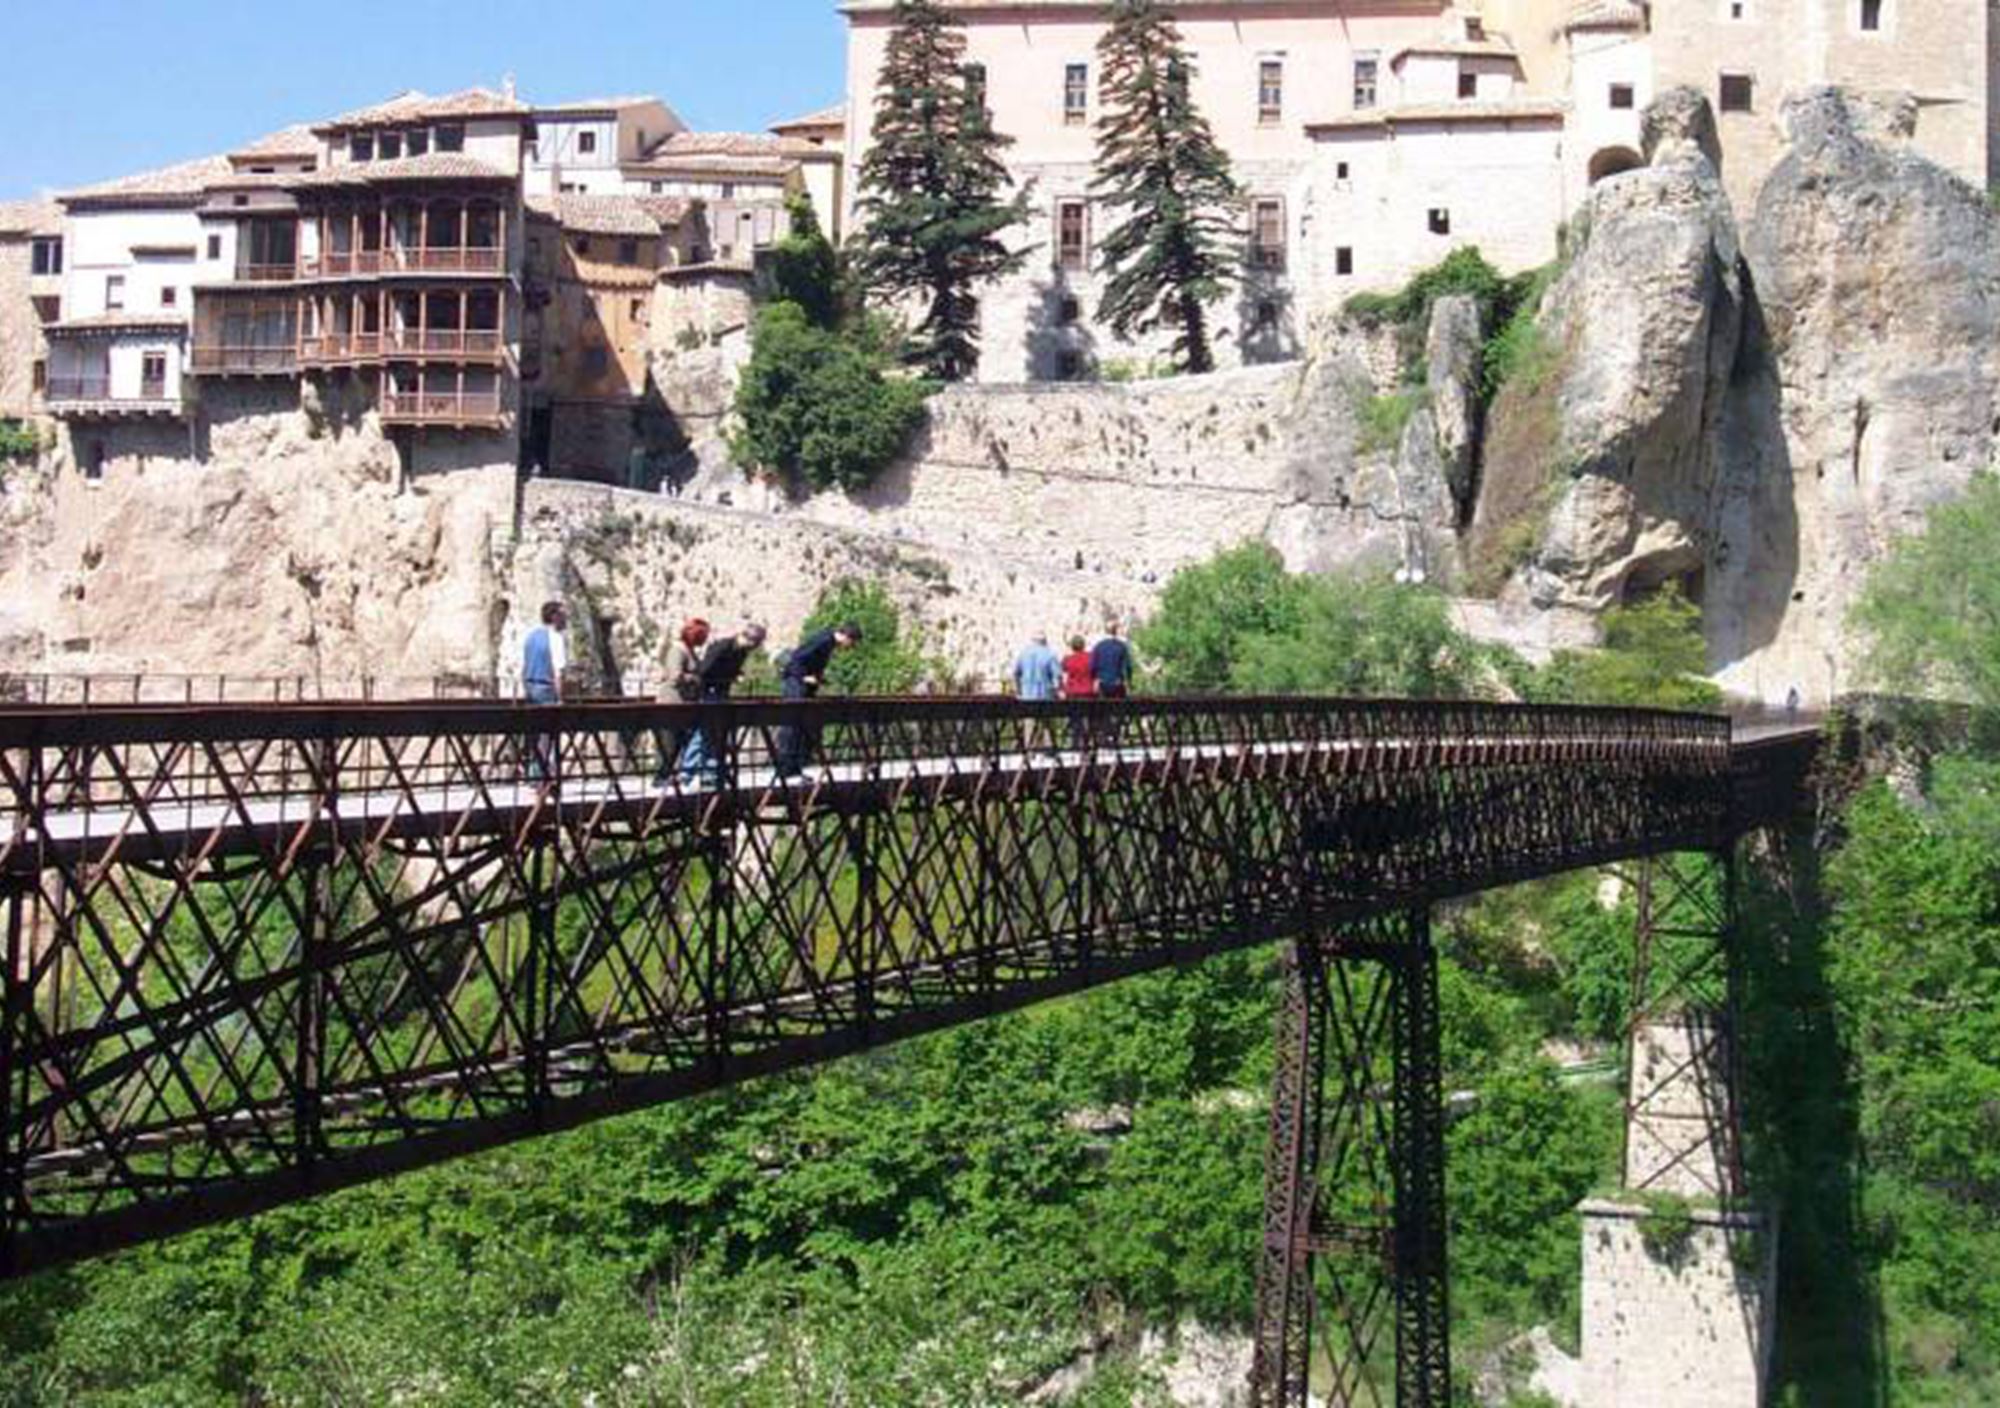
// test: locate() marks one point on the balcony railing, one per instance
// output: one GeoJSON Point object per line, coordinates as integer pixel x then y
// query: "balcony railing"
{"type": "Point", "coordinates": [244, 361]}
{"type": "Point", "coordinates": [478, 343]}
{"type": "Point", "coordinates": [403, 259]}
{"type": "Point", "coordinates": [340, 347]}
{"type": "Point", "coordinates": [267, 273]}
{"type": "Point", "coordinates": [79, 388]}
{"type": "Point", "coordinates": [95, 393]}
{"type": "Point", "coordinates": [442, 407]}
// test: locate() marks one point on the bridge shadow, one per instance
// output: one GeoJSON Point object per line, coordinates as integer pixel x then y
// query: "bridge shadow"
{"type": "Point", "coordinates": [1803, 1140]}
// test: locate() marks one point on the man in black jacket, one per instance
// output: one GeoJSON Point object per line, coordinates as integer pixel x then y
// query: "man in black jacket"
{"type": "Point", "coordinates": [804, 671]}
{"type": "Point", "coordinates": [721, 666]}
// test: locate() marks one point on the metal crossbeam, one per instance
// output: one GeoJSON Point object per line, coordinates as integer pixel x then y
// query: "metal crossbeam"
{"type": "Point", "coordinates": [256, 954]}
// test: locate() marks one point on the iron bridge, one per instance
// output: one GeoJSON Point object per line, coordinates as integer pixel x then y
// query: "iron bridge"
{"type": "Point", "coordinates": [258, 953]}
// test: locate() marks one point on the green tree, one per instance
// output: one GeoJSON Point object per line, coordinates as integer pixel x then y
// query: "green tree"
{"type": "Point", "coordinates": [1160, 167]}
{"type": "Point", "coordinates": [1930, 611]}
{"type": "Point", "coordinates": [803, 268]}
{"type": "Point", "coordinates": [931, 207]}
{"type": "Point", "coordinates": [1240, 622]}
{"type": "Point", "coordinates": [815, 407]}
{"type": "Point", "coordinates": [890, 658]}
{"type": "Point", "coordinates": [1653, 656]}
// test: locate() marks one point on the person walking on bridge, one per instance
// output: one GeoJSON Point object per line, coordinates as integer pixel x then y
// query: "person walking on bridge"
{"type": "Point", "coordinates": [544, 659]}
{"type": "Point", "coordinates": [1077, 683]}
{"type": "Point", "coordinates": [721, 667]}
{"type": "Point", "coordinates": [680, 683]}
{"type": "Point", "coordinates": [1111, 672]}
{"type": "Point", "coordinates": [1038, 678]}
{"type": "Point", "coordinates": [803, 672]}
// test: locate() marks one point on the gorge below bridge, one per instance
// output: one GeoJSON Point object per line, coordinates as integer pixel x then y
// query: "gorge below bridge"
{"type": "Point", "coordinates": [255, 954]}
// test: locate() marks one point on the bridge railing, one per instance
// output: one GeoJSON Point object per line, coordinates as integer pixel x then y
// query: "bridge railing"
{"type": "Point", "coordinates": [134, 776]}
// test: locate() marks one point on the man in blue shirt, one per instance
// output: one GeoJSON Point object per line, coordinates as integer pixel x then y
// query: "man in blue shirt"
{"type": "Point", "coordinates": [544, 657]}
{"type": "Point", "coordinates": [1111, 665]}
{"type": "Point", "coordinates": [1037, 678]}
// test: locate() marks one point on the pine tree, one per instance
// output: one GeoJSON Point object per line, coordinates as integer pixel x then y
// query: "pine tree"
{"type": "Point", "coordinates": [932, 184]}
{"type": "Point", "coordinates": [1158, 166]}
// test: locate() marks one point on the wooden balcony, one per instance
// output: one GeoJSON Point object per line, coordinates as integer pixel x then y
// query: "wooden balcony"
{"type": "Point", "coordinates": [244, 361]}
{"type": "Point", "coordinates": [334, 348]}
{"type": "Point", "coordinates": [400, 259]}
{"type": "Point", "coordinates": [267, 273]}
{"type": "Point", "coordinates": [449, 344]}
{"type": "Point", "coordinates": [82, 396]}
{"type": "Point", "coordinates": [451, 408]}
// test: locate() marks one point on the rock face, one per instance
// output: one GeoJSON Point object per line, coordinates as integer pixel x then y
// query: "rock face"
{"type": "Point", "coordinates": [290, 548]}
{"type": "Point", "coordinates": [1611, 452]}
{"type": "Point", "coordinates": [1878, 283]}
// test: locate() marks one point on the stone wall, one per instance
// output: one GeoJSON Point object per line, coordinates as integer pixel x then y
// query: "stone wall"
{"type": "Point", "coordinates": [1690, 1331]}
{"type": "Point", "coordinates": [20, 329]}
{"type": "Point", "coordinates": [634, 565]}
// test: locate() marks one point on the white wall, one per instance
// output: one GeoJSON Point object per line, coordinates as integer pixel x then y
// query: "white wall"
{"type": "Point", "coordinates": [1598, 61]}
{"type": "Point", "coordinates": [99, 244]}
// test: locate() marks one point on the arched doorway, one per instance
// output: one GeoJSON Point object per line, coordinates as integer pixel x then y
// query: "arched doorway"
{"type": "Point", "coordinates": [1612, 160]}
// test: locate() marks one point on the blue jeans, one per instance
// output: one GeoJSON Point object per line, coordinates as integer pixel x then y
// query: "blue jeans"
{"type": "Point", "coordinates": [698, 760]}
{"type": "Point", "coordinates": [796, 742]}
{"type": "Point", "coordinates": [538, 752]}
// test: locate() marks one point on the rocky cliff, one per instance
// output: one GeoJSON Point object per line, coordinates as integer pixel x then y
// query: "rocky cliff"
{"type": "Point", "coordinates": [1755, 418]}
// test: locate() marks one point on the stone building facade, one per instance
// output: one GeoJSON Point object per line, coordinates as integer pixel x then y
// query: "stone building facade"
{"type": "Point", "coordinates": [30, 283]}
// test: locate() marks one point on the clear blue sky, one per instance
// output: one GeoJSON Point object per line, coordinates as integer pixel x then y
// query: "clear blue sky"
{"type": "Point", "coordinates": [102, 88]}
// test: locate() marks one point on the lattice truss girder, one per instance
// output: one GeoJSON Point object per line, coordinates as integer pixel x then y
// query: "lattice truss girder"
{"type": "Point", "coordinates": [1351, 1284]}
{"type": "Point", "coordinates": [256, 954]}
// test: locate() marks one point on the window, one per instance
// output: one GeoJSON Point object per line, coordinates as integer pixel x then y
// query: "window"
{"type": "Point", "coordinates": [1072, 235]}
{"type": "Point", "coordinates": [1737, 9]}
{"type": "Point", "coordinates": [450, 138]}
{"type": "Point", "coordinates": [93, 461]}
{"type": "Point", "coordinates": [1475, 28]}
{"type": "Point", "coordinates": [169, 296]}
{"type": "Point", "coordinates": [1871, 16]}
{"type": "Point", "coordinates": [153, 374]}
{"type": "Point", "coordinates": [1069, 311]}
{"type": "Point", "coordinates": [1265, 318]}
{"type": "Point", "coordinates": [215, 246]}
{"type": "Point", "coordinates": [1069, 365]}
{"type": "Point", "coordinates": [1270, 92]}
{"type": "Point", "coordinates": [638, 310]}
{"type": "Point", "coordinates": [47, 256]}
{"type": "Point", "coordinates": [1267, 234]}
{"type": "Point", "coordinates": [1076, 94]}
{"type": "Point", "coordinates": [1340, 171]}
{"type": "Point", "coordinates": [586, 143]}
{"type": "Point", "coordinates": [1468, 85]}
{"type": "Point", "coordinates": [389, 146]}
{"type": "Point", "coordinates": [1622, 97]}
{"type": "Point", "coordinates": [1737, 92]}
{"type": "Point", "coordinates": [418, 143]}
{"type": "Point", "coordinates": [628, 251]}
{"type": "Point", "coordinates": [729, 190]}
{"type": "Point", "coordinates": [40, 382]}
{"type": "Point", "coordinates": [571, 188]}
{"type": "Point", "coordinates": [1364, 80]}
{"type": "Point", "coordinates": [581, 244]}
{"type": "Point", "coordinates": [1440, 220]}
{"type": "Point", "coordinates": [361, 147]}
{"type": "Point", "coordinates": [1343, 260]}
{"type": "Point", "coordinates": [114, 292]}
{"type": "Point", "coordinates": [239, 200]}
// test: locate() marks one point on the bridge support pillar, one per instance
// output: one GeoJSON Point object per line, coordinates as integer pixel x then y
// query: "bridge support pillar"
{"type": "Point", "coordinates": [1351, 1304]}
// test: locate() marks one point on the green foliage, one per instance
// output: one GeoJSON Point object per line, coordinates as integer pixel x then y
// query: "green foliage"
{"type": "Point", "coordinates": [18, 441]}
{"type": "Point", "coordinates": [1463, 271]}
{"type": "Point", "coordinates": [815, 406]}
{"type": "Point", "coordinates": [889, 659]}
{"type": "Point", "coordinates": [1520, 351]}
{"type": "Point", "coordinates": [1931, 608]}
{"type": "Point", "coordinates": [803, 267]}
{"type": "Point", "coordinates": [1383, 419]}
{"type": "Point", "coordinates": [1666, 1230]}
{"type": "Point", "coordinates": [1160, 167]}
{"type": "Point", "coordinates": [1241, 622]}
{"type": "Point", "coordinates": [931, 211]}
{"type": "Point", "coordinates": [1653, 656]}
{"type": "Point", "coordinates": [1119, 370]}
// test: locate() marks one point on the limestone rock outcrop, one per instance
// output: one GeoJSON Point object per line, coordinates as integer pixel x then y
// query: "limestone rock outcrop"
{"type": "Point", "coordinates": [1877, 391]}
{"type": "Point", "coordinates": [1600, 466]}
{"type": "Point", "coordinates": [288, 549]}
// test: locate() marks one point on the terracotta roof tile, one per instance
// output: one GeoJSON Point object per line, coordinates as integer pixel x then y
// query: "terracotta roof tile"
{"type": "Point", "coordinates": [421, 107]}
{"type": "Point", "coordinates": [30, 217]}
{"type": "Point", "coordinates": [1606, 14]}
{"type": "Point", "coordinates": [1491, 47]}
{"type": "Point", "coordinates": [121, 321]}
{"type": "Point", "coordinates": [294, 142]}
{"type": "Point", "coordinates": [835, 116]}
{"type": "Point", "coordinates": [432, 166]}
{"type": "Point", "coordinates": [1491, 110]}
{"type": "Point", "coordinates": [762, 144]}
{"type": "Point", "coordinates": [184, 181]}
{"type": "Point", "coordinates": [612, 214]}
{"type": "Point", "coordinates": [597, 105]}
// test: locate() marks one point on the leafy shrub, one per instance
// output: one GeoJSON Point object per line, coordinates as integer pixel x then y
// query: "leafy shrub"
{"type": "Point", "coordinates": [1383, 419]}
{"type": "Point", "coordinates": [816, 407]}
{"type": "Point", "coordinates": [1666, 1230]}
{"type": "Point", "coordinates": [1653, 656]}
{"type": "Point", "coordinates": [18, 441]}
{"type": "Point", "coordinates": [803, 268]}
{"type": "Point", "coordinates": [890, 658]}
{"type": "Point", "coordinates": [1520, 351]}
